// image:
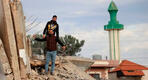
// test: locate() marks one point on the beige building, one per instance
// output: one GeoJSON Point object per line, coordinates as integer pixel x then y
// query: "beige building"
{"type": "Point", "coordinates": [99, 70]}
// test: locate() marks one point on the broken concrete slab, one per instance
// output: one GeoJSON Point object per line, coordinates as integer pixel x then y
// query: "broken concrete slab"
{"type": "Point", "coordinates": [4, 60]}
{"type": "Point", "coordinates": [29, 47]}
{"type": "Point", "coordinates": [19, 28]}
{"type": "Point", "coordinates": [5, 69]}
{"type": "Point", "coordinates": [8, 37]}
{"type": "Point", "coordinates": [23, 70]}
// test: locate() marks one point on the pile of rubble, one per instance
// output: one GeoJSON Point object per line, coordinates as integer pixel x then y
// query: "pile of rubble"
{"type": "Point", "coordinates": [16, 53]}
{"type": "Point", "coordinates": [64, 71]}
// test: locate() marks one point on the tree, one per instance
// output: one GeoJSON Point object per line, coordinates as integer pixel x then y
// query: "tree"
{"type": "Point", "coordinates": [37, 47]}
{"type": "Point", "coordinates": [73, 45]}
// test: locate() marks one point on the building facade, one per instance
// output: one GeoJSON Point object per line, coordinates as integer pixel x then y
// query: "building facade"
{"type": "Point", "coordinates": [99, 70]}
{"type": "Point", "coordinates": [128, 70]}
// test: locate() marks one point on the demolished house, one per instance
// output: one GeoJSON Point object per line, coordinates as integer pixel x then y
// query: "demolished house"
{"type": "Point", "coordinates": [16, 61]}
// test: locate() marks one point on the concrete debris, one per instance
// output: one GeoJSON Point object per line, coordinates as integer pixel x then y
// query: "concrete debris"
{"type": "Point", "coordinates": [64, 71]}
{"type": "Point", "coordinates": [16, 59]}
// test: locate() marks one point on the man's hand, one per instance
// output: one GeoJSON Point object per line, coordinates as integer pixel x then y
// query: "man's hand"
{"type": "Point", "coordinates": [44, 36]}
{"type": "Point", "coordinates": [64, 48]}
{"type": "Point", "coordinates": [51, 32]}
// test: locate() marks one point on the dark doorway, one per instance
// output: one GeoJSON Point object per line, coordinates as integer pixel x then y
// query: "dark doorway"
{"type": "Point", "coordinates": [96, 76]}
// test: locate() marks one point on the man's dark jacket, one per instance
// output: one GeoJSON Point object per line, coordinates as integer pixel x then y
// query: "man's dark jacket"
{"type": "Point", "coordinates": [51, 42]}
{"type": "Point", "coordinates": [51, 38]}
{"type": "Point", "coordinates": [55, 30]}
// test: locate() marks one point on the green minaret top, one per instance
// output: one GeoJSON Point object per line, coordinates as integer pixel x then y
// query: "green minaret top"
{"type": "Point", "coordinates": [113, 23]}
{"type": "Point", "coordinates": [112, 6]}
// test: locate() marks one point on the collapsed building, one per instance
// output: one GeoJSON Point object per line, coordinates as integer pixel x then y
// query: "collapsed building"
{"type": "Point", "coordinates": [14, 44]}
{"type": "Point", "coordinates": [64, 70]}
{"type": "Point", "coordinates": [16, 62]}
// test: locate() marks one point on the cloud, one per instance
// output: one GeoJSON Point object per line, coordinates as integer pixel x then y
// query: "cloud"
{"type": "Point", "coordinates": [136, 32]}
{"type": "Point", "coordinates": [99, 2]}
{"type": "Point", "coordinates": [83, 1]}
{"type": "Point", "coordinates": [80, 12]}
{"type": "Point", "coordinates": [133, 40]}
{"type": "Point", "coordinates": [134, 37]}
{"type": "Point", "coordinates": [134, 43]}
{"type": "Point", "coordinates": [84, 19]}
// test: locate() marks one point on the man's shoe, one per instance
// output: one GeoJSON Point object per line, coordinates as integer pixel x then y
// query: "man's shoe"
{"type": "Point", "coordinates": [52, 73]}
{"type": "Point", "coordinates": [46, 73]}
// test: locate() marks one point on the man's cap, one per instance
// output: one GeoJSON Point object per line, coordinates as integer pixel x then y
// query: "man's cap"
{"type": "Point", "coordinates": [54, 16]}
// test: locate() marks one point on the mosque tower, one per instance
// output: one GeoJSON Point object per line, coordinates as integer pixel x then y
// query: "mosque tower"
{"type": "Point", "coordinates": [113, 27]}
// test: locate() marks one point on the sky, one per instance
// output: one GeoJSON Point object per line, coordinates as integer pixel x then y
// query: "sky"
{"type": "Point", "coordinates": [85, 20]}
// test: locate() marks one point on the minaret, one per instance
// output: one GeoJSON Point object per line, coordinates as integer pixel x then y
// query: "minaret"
{"type": "Point", "coordinates": [113, 27]}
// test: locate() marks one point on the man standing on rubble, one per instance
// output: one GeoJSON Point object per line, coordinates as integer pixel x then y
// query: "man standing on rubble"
{"type": "Point", "coordinates": [50, 30]}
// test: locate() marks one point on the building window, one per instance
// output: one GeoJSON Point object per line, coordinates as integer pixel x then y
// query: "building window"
{"type": "Point", "coordinates": [130, 71]}
{"type": "Point", "coordinates": [96, 76]}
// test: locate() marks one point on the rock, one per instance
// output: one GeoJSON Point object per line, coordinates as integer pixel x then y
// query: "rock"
{"type": "Point", "coordinates": [10, 77]}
